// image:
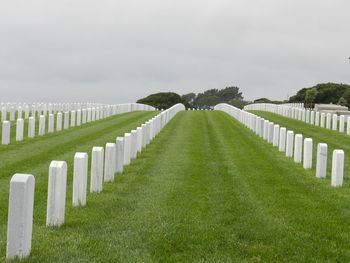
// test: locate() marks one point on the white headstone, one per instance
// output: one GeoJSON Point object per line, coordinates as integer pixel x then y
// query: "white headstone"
{"type": "Point", "coordinates": [31, 127]}
{"type": "Point", "coordinates": [261, 125]}
{"type": "Point", "coordinates": [56, 195]}
{"type": "Point", "coordinates": [120, 154]}
{"type": "Point", "coordinates": [83, 120]}
{"type": "Point", "coordinates": [317, 119]}
{"type": "Point", "coordinates": [80, 178]}
{"type": "Point", "coordinates": [59, 122]}
{"type": "Point", "coordinates": [6, 131]}
{"type": "Point", "coordinates": [257, 124]}
{"type": "Point", "coordinates": [282, 139]}
{"type": "Point", "coordinates": [19, 129]}
{"type": "Point", "coordinates": [328, 121]}
{"type": "Point", "coordinates": [307, 160]}
{"type": "Point", "coordinates": [78, 117]}
{"type": "Point", "coordinates": [276, 133]}
{"type": "Point", "coordinates": [51, 127]}
{"type": "Point", "coordinates": [337, 168]}
{"type": "Point", "coordinates": [312, 117]}
{"type": "Point", "coordinates": [289, 144]}
{"type": "Point", "coordinates": [110, 162]}
{"type": "Point", "coordinates": [139, 139]}
{"type": "Point", "coordinates": [3, 114]}
{"type": "Point", "coordinates": [148, 132]}
{"type": "Point", "coordinates": [72, 118]}
{"type": "Point", "coordinates": [270, 132]}
{"type": "Point", "coordinates": [88, 115]}
{"type": "Point", "coordinates": [66, 120]}
{"type": "Point", "coordinates": [20, 216]}
{"type": "Point", "coordinates": [323, 117]}
{"type": "Point", "coordinates": [144, 135]}
{"type": "Point", "coordinates": [335, 122]}
{"type": "Point", "coordinates": [93, 114]}
{"type": "Point", "coordinates": [321, 162]}
{"type": "Point", "coordinates": [42, 125]}
{"type": "Point", "coordinates": [266, 130]}
{"type": "Point", "coordinates": [133, 144]}
{"type": "Point", "coordinates": [97, 163]}
{"type": "Point", "coordinates": [348, 126]}
{"type": "Point", "coordinates": [341, 123]}
{"type": "Point", "coordinates": [127, 148]}
{"type": "Point", "coordinates": [298, 147]}
{"type": "Point", "coordinates": [97, 113]}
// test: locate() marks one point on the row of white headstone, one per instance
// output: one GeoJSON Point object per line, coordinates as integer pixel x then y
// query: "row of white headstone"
{"type": "Point", "coordinates": [291, 144]}
{"type": "Point", "coordinates": [66, 120]}
{"type": "Point", "coordinates": [321, 119]}
{"type": "Point", "coordinates": [295, 105]}
{"type": "Point", "coordinates": [24, 111]}
{"type": "Point", "coordinates": [196, 109]}
{"type": "Point", "coordinates": [47, 106]}
{"type": "Point", "coordinates": [105, 163]}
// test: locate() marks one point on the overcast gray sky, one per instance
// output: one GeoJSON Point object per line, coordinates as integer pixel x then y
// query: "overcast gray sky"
{"type": "Point", "coordinates": [117, 51]}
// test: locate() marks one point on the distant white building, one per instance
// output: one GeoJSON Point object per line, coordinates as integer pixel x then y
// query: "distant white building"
{"type": "Point", "coordinates": [332, 108]}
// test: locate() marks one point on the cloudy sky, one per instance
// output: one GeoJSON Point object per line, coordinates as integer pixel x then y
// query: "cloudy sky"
{"type": "Point", "coordinates": [117, 51]}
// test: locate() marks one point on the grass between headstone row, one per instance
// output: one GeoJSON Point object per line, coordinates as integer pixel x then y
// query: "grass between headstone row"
{"type": "Point", "coordinates": [206, 189]}
{"type": "Point", "coordinates": [334, 140]}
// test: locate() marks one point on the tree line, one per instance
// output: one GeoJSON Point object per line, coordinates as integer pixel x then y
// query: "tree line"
{"type": "Point", "coordinates": [206, 100]}
{"type": "Point", "coordinates": [324, 93]}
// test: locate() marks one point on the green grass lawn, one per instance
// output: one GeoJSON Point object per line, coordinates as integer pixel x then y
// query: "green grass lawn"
{"type": "Point", "coordinates": [206, 189]}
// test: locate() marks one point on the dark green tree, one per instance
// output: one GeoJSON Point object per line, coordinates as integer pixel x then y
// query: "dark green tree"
{"type": "Point", "coordinates": [342, 102]}
{"type": "Point", "coordinates": [211, 97]}
{"type": "Point", "coordinates": [321, 93]}
{"type": "Point", "coordinates": [346, 96]}
{"type": "Point", "coordinates": [311, 95]}
{"type": "Point", "coordinates": [299, 97]}
{"type": "Point", "coordinates": [163, 100]}
{"type": "Point", "coordinates": [189, 97]}
{"type": "Point", "coordinates": [207, 101]}
{"type": "Point", "coordinates": [230, 93]}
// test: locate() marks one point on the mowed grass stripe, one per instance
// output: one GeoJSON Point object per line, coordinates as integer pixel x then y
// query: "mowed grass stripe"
{"type": "Point", "coordinates": [334, 139]}
{"type": "Point", "coordinates": [205, 190]}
